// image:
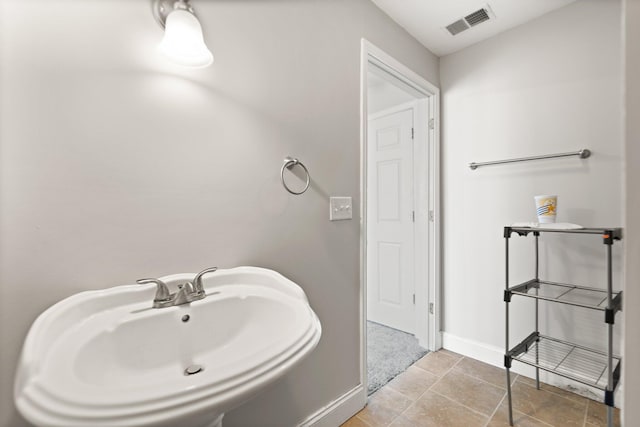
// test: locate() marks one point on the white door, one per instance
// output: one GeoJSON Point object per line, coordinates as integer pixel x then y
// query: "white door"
{"type": "Point", "coordinates": [390, 223]}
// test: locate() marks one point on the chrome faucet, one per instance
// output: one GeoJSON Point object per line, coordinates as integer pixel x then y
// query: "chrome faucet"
{"type": "Point", "coordinates": [186, 293]}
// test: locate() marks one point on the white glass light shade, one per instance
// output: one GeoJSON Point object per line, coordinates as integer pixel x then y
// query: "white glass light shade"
{"type": "Point", "coordinates": [183, 42]}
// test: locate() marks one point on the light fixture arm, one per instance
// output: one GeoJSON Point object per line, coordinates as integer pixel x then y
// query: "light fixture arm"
{"type": "Point", "coordinates": [162, 8]}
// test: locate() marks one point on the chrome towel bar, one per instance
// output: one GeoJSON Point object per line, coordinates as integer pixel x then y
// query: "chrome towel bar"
{"type": "Point", "coordinates": [583, 154]}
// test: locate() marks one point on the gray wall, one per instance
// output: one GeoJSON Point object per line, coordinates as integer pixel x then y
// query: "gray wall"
{"type": "Point", "coordinates": [631, 366]}
{"type": "Point", "coordinates": [116, 165]}
{"type": "Point", "coordinates": [552, 85]}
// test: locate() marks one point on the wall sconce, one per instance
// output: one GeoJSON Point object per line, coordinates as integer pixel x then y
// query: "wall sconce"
{"type": "Point", "coordinates": [182, 42]}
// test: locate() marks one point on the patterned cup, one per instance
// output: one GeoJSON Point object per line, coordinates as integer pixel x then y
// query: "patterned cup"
{"type": "Point", "coordinates": [546, 208]}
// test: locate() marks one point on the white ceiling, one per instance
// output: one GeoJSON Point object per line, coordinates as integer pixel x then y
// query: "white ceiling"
{"type": "Point", "coordinates": [426, 19]}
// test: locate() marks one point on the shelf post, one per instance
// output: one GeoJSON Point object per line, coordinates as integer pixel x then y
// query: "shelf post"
{"type": "Point", "coordinates": [609, 391]}
{"type": "Point", "coordinates": [507, 358]}
{"type": "Point", "coordinates": [537, 235]}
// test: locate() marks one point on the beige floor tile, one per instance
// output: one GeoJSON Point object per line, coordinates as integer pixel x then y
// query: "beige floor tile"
{"type": "Point", "coordinates": [469, 391]}
{"type": "Point", "coordinates": [597, 414]}
{"type": "Point", "coordinates": [501, 419]}
{"type": "Point", "coordinates": [437, 362]}
{"type": "Point", "coordinates": [564, 393]}
{"type": "Point", "coordinates": [402, 421]}
{"type": "Point", "coordinates": [384, 405]}
{"type": "Point", "coordinates": [413, 382]}
{"type": "Point", "coordinates": [355, 422]}
{"type": "Point", "coordinates": [432, 409]}
{"type": "Point", "coordinates": [486, 372]}
{"type": "Point", "coordinates": [548, 407]}
{"type": "Point", "coordinates": [450, 353]}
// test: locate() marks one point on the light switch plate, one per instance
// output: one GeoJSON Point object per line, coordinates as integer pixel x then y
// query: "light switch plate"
{"type": "Point", "coordinates": [340, 208]}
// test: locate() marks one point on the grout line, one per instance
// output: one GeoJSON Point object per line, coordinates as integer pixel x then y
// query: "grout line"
{"type": "Point", "coordinates": [431, 386]}
{"type": "Point", "coordinates": [439, 377]}
{"type": "Point", "coordinates": [392, 391]}
{"type": "Point", "coordinates": [452, 366]}
{"type": "Point", "coordinates": [496, 409]}
{"type": "Point", "coordinates": [536, 419]}
{"type": "Point", "coordinates": [515, 378]}
{"type": "Point", "coordinates": [461, 404]}
{"type": "Point", "coordinates": [483, 381]}
{"type": "Point", "coordinates": [539, 420]}
{"type": "Point", "coordinates": [513, 410]}
{"type": "Point", "coordinates": [363, 421]}
{"type": "Point", "coordinates": [407, 408]}
{"type": "Point", "coordinates": [555, 393]}
{"type": "Point", "coordinates": [586, 413]}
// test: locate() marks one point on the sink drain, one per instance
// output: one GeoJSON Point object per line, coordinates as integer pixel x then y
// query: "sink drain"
{"type": "Point", "coordinates": [193, 369]}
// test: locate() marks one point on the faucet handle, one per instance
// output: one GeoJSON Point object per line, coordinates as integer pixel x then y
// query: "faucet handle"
{"type": "Point", "coordinates": [197, 281]}
{"type": "Point", "coordinates": [162, 291]}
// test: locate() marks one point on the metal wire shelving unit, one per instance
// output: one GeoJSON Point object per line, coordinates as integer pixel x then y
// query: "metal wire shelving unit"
{"type": "Point", "coordinates": [594, 368]}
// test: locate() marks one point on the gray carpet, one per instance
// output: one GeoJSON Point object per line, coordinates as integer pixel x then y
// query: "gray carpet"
{"type": "Point", "coordinates": [389, 353]}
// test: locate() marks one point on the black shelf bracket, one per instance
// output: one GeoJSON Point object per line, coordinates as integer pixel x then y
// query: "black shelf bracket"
{"type": "Point", "coordinates": [616, 376]}
{"type": "Point", "coordinates": [524, 345]}
{"type": "Point", "coordinates": [520, 231]}
{"type": "Point", "coordinates": [524, 287]}
{"type": "Point", "coordinates": [609, 236]}
{"type": "Point", "coordinates": [507, 361]}
{"type": "Point", "coordinates": [608, 398]}
{"type": "Point", "coordinates": [610, 313]}
{"type": "Point", "coordinates": [609, 394]}
{"type": "Point", "coordinates": [507, 296]}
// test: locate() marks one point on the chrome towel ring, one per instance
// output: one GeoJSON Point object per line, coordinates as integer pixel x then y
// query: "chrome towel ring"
{"type": "Point", "coordinates": [289, 163]}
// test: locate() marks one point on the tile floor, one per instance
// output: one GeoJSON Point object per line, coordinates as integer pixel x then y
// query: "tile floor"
{"type": "Point", "coordinates": [445, 389]}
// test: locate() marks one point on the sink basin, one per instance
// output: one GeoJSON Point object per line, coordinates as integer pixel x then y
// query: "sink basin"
{"type": "Point", "coordinates": [106, 358]}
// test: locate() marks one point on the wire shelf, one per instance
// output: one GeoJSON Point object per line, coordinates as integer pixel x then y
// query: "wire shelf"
{"type": "Point", "coordinates": [614, 232]}
{"type": "Point", "coordinates": [578, 363]}
{"type": "Point", "coordinates": [564, 293]}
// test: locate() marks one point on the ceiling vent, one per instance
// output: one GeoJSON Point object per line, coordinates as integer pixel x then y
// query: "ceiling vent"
{"type": "Point", "coordinates": [457, 27]}
{"type": "Point", "coordinates": [471, 20]}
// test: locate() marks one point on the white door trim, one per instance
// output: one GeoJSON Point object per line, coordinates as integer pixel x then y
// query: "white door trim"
{"type": "Point", "coordinates": [427, 214]}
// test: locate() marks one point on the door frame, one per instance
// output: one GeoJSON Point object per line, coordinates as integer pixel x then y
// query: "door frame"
{"type": "Point", "coordinates": [428, 229]}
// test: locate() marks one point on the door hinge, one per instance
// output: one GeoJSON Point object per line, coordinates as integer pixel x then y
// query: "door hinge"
{"type": "Point", "coordinates": [431, 307]}
{"type": "Point", "coordinates": [431, 216]}
{"type": "Point", "coordinates": [414, 298]}
{"type": "Point", "coordinates": [413, 216]}
{"type": "Point", "coordinates": [431, 124]}
{"type": "Point", "coordinates": [412, 133]}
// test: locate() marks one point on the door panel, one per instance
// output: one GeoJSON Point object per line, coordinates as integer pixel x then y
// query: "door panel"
{"type": "Point", "coordinates": [389, 277]}
{"type": "Point", "coordinates": [390, 227]}
{"type": "Point", "coordinates": [388, 190]}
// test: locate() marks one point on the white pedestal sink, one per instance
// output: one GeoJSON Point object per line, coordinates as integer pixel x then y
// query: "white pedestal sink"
{"type": "Point", "coordinates": [106, 358]}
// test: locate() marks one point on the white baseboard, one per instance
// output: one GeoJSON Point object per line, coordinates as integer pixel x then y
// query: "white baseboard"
{"type": "Point", "coordinates": [338, 411]}
{"type": "Point", "coordinates": [476, 350]}
{"type": "Point", "coordinates": [493, 355]}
